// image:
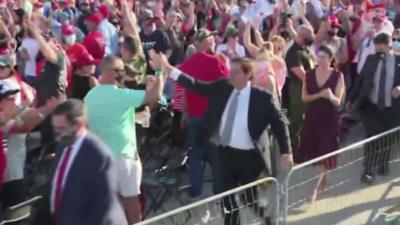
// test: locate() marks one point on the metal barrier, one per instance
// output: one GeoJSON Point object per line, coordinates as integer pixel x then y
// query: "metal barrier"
{"type": "Point", "coordinates": [255, 201]}
{"type": "Point", "coordinates": [344, 199]}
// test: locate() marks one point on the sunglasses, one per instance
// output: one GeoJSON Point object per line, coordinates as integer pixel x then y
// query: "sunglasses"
{"type": "Point", "coordinates": [119, 71]}
{"type": "Point", "coordinates": [2, 67]}
{"type": "Point", "coordinates": [396, 39]}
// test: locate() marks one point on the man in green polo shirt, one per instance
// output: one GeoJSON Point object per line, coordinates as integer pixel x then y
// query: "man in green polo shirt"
{"type": "Point", "coordinates": [112, 117]}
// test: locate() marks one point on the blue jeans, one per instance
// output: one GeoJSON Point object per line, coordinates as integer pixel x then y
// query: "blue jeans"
{"type": "Point", "coordinates": [199, 153]}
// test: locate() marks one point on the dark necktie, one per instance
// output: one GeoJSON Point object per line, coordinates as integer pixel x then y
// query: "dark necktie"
{"type": "Point", "coordinates": [230, 119]}
{"type": "Point", "coordinates": [61, 174]}
{"type": "Point", "coordinates": [382, 85]}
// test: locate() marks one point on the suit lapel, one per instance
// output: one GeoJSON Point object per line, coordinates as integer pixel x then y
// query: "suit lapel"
{"type": "Point", "coordinates": [396, 81]}
{"type": "Point", "coordinates": [374, 67]}
{"type": "Point", "coordinates": [73, 172]}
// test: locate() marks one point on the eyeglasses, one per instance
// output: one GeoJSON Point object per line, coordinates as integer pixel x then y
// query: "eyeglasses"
{"type": "Point", "coordinates": [396, 39]}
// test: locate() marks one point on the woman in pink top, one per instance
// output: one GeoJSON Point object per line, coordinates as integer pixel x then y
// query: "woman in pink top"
{"type": "Point", "coordinates": [265, 52]}
{"type": "Point", "coordinates": [265, 77]}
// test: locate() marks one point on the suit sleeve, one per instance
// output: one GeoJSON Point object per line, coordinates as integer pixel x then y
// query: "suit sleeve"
{"type": "Point", "coordinates": [279, 126]}
{"type": "Point", "coordinates": [103, 186]}
{"type": "Point", "coordinates": [355, 93]}
{"type": "Point", "coordinates": [203, 88]}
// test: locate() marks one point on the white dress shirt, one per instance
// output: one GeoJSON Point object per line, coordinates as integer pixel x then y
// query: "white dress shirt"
{"type": "Point", "coordinates": [240, 132]}
{"type": "Point", "coordinates": [74, 152]}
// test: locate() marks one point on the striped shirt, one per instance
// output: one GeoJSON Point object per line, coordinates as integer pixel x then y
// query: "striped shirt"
{"type": "Point", "coordinates": [177, 97]}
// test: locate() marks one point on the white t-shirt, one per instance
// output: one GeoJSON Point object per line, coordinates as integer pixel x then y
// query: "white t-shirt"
{"type": "Point", "coordinates": [16, 152]}
{"type": "Point", "coordinates": [32, 47]}
{"type": "Point", "coordinates": [223, 48]}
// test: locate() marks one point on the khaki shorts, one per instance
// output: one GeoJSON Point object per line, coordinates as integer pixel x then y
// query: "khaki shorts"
{"type": "Point", "coordinates": [129, 176]}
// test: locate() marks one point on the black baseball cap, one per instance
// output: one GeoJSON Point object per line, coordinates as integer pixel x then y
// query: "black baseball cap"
{"type": "Point", "coordinates": [6, 91]}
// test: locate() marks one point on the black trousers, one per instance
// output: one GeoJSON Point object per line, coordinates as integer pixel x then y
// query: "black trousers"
{"type": "Point", "coordinates": [239, 167]}
{"type": "Point", "coordinates": [376, 121]}
{"type": "Point", "coordinates": [13, 192]}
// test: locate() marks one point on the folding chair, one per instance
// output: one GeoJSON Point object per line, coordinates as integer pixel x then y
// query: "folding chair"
{"type": "Point", "coordinates": [19, 212]}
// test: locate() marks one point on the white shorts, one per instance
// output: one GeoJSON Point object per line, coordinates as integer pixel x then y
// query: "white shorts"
{"type": "Point", "coordinates": [129, 176]}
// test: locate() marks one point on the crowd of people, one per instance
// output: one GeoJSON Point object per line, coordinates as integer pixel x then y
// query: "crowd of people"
{"type": "Point", "coordinates": [234, 72]}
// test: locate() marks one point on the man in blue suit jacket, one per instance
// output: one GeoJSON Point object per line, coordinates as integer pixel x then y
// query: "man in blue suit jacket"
{"type": "Point", "coordinates": [84, 187]}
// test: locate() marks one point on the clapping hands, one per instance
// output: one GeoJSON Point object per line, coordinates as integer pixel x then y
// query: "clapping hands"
{"type": "Point", "coordinates": [328, 94]}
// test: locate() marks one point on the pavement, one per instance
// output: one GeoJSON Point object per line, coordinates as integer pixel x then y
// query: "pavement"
{"type": "Point", "coordinates": [344, 200]}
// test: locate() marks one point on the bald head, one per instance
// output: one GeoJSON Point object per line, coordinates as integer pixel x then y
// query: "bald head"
{"type": "Point", "coordinates": [304, 29]}
{"type": "Point", "coordinates": [305, 35]}
{"type": "Point", "coordinates": [112, 69]}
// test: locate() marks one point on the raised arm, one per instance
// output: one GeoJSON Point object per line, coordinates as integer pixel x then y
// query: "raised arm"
{"type": "Point", "coordinates": [129, 20]}
{"type": "Point", "coordinates": [44, 46]}
{"type": "Point", "coordinates": [4, 30]}
{"type": "Point", "coordinates": [253, 49]}
{"type": "Point", "coordinates": [32, 117]}
{"type": "Point", "coordinates": [160, 62]}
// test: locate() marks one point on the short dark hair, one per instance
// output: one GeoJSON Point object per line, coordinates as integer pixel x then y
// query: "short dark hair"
{"type": "Point", "coordinates": [382, 38]}
{"type": "Point", "coordinates": [246, 64]}
{"type": "Point", "coordinates": [326, 49]}
{"type": "Point", "coordinates": [74, 111]}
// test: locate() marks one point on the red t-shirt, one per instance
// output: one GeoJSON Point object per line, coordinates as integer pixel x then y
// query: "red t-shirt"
{"type": "Point", "coordinates": [95, 44]}
{"type": "Point", "coordinates": [204, 67]}
{"type": "Point", "coordinates": [75, 51]}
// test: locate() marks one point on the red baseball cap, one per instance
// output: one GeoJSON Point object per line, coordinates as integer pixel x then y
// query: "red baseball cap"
{"type": "Point", "coordinates": [95, 18]}
{"type": "Point", "coordinates": [104, 10]}
{"type": "Point", "coordinates": [370, 6]}
{"type": "Point", "coordinates": [334, 21]}
{"type": "Point", "coordinates": [66, 2]}
{"type": "Point", "coordinates": [67, 30]}
{"type": "Point", "coordinates": [38, 5]}
{"type": "Point", "coordinates": [85, 60]}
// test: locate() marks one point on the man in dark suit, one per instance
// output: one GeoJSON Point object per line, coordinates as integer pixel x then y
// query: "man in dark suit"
{"type": "Point", "coordinates": [84, 188]}
{"type": "Point", "coordinates": [376, 98]}
{"type": "Point", "coordinates": [236, 117]}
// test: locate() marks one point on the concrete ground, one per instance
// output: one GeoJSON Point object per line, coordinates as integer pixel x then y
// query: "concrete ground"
{"type": "Point", "coordinates": [344, 200]}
